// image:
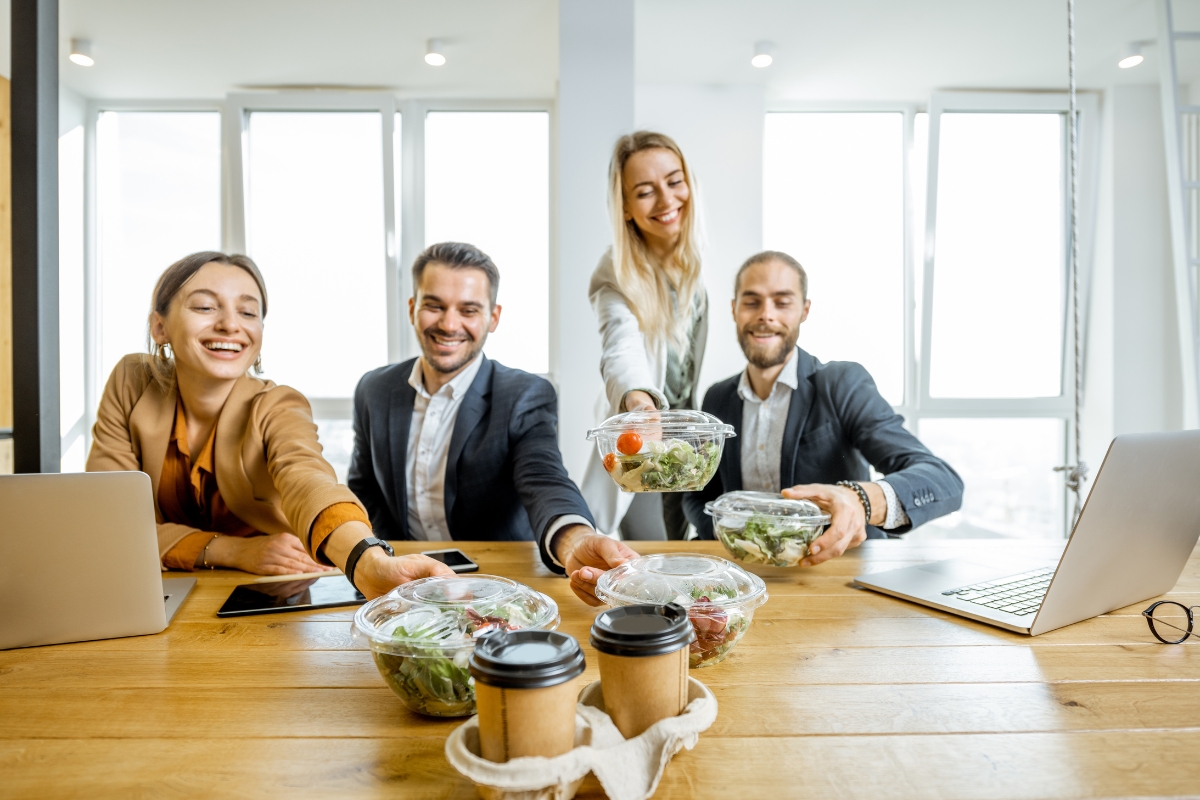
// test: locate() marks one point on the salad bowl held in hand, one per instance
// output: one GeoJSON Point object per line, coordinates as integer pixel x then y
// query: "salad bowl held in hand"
{"type": "Point", "coordinates": [661, 451]}
{"type": "Point", "coordinates": [765, 528]}
{"type": "Point", "coordinates": [422, 634]}
{"type": "Point", "coordinates": [720, 597]}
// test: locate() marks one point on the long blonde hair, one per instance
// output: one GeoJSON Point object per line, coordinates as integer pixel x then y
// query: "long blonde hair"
{"type": "Point", "coordinates": [646, 284]}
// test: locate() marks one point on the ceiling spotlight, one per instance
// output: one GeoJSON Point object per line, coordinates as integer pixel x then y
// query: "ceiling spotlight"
{"type": "Point", "coordinates": [1131, 55]}
{"type": "Point", "coordinates": [762, 55]}
{"type": "Point", "coordinates": [433, 52]}
{"type": "Point", "coordinates": [81, 52]}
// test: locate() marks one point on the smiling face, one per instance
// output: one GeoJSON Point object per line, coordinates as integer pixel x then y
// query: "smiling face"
{"type": "Point", "coordinates": [768, 310]}
{"type": "Point", "coordinates": [656, 196]}
{"type": "Point", "coordinates": [453, 315]}
{"type": "Point", "coordinates": [214, 324]}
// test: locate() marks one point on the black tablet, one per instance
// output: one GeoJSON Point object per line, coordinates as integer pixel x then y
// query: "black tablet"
{"type": "Point", "coordinates": [271, 598]}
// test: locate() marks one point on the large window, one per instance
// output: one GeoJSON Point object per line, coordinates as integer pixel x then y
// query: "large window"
{"type": "Point", "coordinates": [833, 198]}
{"type": "Point", "coordinates": [72, 346]}
{"type": "Point", "coordinates": [487, 182]}
{"type": "Point", "coordinates": [963, 328]}
{"type": "Point", "coordinates": [158, 199]}
{"type": "Point", "coordinates": [333, 199]}
{"type": "Point", "coordinates": [315, 227]}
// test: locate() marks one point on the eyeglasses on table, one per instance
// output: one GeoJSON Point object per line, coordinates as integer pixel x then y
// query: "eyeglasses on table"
{"type": "Point", "coordinates": [1171, 622]}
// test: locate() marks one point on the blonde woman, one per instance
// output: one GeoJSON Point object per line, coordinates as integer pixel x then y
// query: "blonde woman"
{"type": "Point", "coordinates": [234, 463]}
{"type": "Point", "coordinates": [650, 302]}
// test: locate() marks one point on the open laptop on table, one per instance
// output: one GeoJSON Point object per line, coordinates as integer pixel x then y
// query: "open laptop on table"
{"type": "Point", "coordinates": [1133, 538]}
{"type": "Point", "coordinates": [79, 560]}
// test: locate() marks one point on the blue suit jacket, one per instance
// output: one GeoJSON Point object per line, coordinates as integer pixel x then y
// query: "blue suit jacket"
{"type": "Point", "coordinates": [837, 424]}
{"type": "Point", "coordinates": [505, 478]}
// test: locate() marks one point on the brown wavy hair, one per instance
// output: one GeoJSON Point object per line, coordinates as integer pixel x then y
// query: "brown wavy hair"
{"type": "Point", "coordinates": [173, 279]}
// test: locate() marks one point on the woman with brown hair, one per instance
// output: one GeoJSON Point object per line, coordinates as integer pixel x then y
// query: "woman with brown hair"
{"type": "Point", "coordinates": [650, 302]}
{"type": "Point", "coordinates": [234, 461]}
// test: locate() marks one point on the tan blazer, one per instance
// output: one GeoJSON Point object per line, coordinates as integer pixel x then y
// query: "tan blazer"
{"type": "Point", "coordinates": [269, 467]}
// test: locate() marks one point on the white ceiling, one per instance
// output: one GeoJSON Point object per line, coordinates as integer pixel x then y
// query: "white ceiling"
{"type": "Point", "coordinates": [824, 50]}
{"type": "Point", "coordinates": [205, 48]}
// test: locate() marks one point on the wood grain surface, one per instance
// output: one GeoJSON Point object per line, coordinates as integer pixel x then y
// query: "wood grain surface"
{"type": "Point", "coordinates": [833, 692]}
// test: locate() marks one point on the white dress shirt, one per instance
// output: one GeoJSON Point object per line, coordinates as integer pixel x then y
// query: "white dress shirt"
{"type": "Point", "coordinates": [763, 425]}
{"type": "Point", "coordinates": [429, 435]}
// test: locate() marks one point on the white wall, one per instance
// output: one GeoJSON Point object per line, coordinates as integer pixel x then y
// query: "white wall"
{"type": "Point", "coordinates": [720, 130]}
{"type": "Point", "coordinates": [595, 107]}
{"type": "Point", "coordinates": [1133, 374]}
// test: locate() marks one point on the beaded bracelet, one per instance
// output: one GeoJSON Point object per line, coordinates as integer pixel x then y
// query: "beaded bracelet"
{"type": "Point", "coordinates": [862, 496]}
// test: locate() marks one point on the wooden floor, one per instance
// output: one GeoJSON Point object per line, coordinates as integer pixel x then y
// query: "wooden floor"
{"type": "Point", "coordinates": [834, 692]}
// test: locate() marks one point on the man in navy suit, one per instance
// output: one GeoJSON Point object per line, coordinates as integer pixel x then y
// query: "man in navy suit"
{"type": "Point", "coordinates": [454, 446]}
{"type": "Point", "coordinates": [811, 429]}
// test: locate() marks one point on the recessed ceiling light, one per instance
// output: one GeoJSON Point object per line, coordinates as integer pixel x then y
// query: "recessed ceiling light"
{"type": "Point", "coordinates": [762, 55]}
{"type": "Point", "coordinates": [1131, 55]}
{"type": "Point", "coordinates": [81, 52]}
{"type": "Point", "coordinates": [433, 53]}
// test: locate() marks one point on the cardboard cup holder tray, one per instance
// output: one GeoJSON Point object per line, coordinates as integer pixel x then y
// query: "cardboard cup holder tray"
{"type": "Point", "coordinates": [628, 769]}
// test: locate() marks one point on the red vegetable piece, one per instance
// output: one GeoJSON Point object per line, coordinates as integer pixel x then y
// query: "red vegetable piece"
{"type": "Point", "coordinates": [629, 443]}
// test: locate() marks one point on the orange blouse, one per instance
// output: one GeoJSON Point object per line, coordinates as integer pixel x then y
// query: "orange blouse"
{"type": "Point", "coordinates": [188, 495]}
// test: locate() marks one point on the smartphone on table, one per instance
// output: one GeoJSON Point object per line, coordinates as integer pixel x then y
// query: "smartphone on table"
{"type": "Point", "coordinates": [456, 560]}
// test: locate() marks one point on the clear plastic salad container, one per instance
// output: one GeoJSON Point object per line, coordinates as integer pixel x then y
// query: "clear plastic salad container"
{"type": "Point", "coordinates": [423, 633]}
{"type": "Point", "coordinates": [764, 528]}
{"type": "Point", "coordinates": [661, 451]}
{"type": "Point", "coordinates": [719, 595]}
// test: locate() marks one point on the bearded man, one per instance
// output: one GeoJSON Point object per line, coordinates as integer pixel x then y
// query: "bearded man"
{"type": "Point", "coordinates": [454, 446]}
{"type": "Point", "coordinates": [811, 429]}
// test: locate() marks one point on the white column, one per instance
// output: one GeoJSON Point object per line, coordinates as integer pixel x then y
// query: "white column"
{"type": "Point", "coordinates": [595, 106]}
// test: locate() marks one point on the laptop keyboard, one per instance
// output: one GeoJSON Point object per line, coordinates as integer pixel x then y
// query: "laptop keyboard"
{"type": "Point", "coordinates": [1017, 594]}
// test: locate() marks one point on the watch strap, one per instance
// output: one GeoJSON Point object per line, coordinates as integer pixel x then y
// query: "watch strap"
{"type": "Point", "coordinates": [356, 554]}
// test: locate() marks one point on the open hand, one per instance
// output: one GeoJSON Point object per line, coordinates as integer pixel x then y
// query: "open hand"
{"type": "Point", "coordinates": [587, 555]}
{"type": "Point", "coordinates": [847, 526]}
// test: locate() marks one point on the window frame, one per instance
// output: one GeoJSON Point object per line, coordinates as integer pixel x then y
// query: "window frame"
{"type": "Point", "coordinates": [918, 311]}
{"type": "Point", "coordinates": [404, 227]}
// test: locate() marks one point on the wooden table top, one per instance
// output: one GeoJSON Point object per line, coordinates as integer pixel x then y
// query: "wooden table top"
{"type": "Point", "coordinates": [833, 692]}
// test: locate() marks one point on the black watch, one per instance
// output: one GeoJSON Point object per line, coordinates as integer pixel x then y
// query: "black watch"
{"type": "Point", "coordinates": [356, 554]}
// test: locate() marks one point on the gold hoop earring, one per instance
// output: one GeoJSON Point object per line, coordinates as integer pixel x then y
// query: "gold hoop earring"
{"type": "Point", "coordinates": [163, 351]}
{"type": "Point", "coordinates": [258, 366]}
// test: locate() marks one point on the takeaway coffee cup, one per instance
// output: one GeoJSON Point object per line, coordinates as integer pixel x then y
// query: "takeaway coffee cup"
{"type": "Point", "coordinates": [643, 663]}
{"type": "Point", "coordinates": [524, 693]}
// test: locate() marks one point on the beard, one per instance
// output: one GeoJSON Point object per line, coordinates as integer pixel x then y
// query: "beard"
{"type": "Point", "coordinates": [447, 364]}
{"type": "Point", "coordinates": [767, 356]}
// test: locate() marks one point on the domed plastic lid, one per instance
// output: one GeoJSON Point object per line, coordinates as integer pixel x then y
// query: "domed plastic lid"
{"type": "Point", "coordinates": [450, 613]}
{"type": "Point", "coordinates": [681, 578]}
{"type": "Point", "coordinates": [669, 423]}
{"type": "Point", "coordinates": [748, 504]}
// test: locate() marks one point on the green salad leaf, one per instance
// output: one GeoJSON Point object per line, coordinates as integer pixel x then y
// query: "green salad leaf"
{"type": "Point", "coordinates": [777, 541]}
{"type": "Point", "coordinates": [670, 466]}
{"type": "Point", "coordinates": [427, 666]}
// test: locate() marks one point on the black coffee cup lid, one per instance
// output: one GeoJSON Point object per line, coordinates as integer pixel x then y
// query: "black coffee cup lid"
{"type": "Point", "coordinates": [526, 659]}
{"type": "Point", "coordinates": [648, 630]}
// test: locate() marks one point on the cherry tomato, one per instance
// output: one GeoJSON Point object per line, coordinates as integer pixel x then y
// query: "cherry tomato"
{"type": "Point", "coordinates": [610, 461]}
{"type": "Point", "coordinates": [629, 443]}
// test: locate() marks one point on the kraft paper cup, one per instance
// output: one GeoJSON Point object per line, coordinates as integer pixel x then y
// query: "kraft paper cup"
{"type": "Point", "coordinates": [524, 693]}
{"type": "Point", "coordinates": [643, 654]}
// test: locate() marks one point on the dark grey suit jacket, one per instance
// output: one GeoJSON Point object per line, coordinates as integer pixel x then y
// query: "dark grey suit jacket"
{"type": "Point", "coordinates": [505, 478]}
{"type": "Point", "coordinates": [837, 424]}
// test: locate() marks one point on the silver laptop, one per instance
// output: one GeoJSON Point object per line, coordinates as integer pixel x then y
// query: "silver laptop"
{"type": "Point", "coordinates": [1133, 538]}
{"type": "Point", "coordinates": [79, 559]}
